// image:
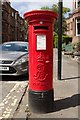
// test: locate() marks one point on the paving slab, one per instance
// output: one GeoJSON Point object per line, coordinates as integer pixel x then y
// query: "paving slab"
{"type": "Point", "coordinates": [66, 93]}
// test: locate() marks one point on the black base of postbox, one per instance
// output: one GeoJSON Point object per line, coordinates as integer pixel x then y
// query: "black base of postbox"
{"type": "Point", "coordinates": [41, 102]}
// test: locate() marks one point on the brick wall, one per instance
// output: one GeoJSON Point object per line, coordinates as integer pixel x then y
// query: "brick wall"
{"type": "Point", "coordinates": [13, 27]}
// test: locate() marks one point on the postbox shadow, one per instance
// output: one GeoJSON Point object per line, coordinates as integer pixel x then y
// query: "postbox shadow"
{"type": "Point", "coordinates": [68, 78]}
{"type": "Point", "coordinates": [14, 78]}
{"type": "Point", "coordinates": [66, 103]}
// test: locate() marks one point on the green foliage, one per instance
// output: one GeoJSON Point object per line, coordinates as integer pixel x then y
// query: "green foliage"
{"type": "Point", "coordinates": [66, 39]}
{"type": "Point", "coordinates": [65, 10]}
{"type": "Point", "coordinates": [63, 46]}
{"type": "Point", "coordinates": [45, 8]}
{"type": "Point", "coordinates": [55, 41]}
{"type": "Point", "coordinates": [26, 26]}
{"type": "Point", "coordinates": [77, 46]}
{"type": "Point", "coordinates": [55, 8]}
{"type": "Point", "coordinates": [69, 47]}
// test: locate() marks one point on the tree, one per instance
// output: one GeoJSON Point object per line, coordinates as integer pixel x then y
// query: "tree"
{"type": "Point", "coordinates": [55, 8]}
{"type": "Point", "coordinates": [45, 8]}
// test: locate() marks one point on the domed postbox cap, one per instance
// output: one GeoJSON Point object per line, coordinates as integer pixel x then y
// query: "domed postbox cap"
{"type": "Point", "coordinates": [40, 14]}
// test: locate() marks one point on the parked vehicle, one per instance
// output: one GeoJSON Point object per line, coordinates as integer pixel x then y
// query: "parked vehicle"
{"type": "Point", "coordinates": [14, 58]}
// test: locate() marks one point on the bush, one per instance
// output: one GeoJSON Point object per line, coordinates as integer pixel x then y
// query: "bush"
{"type": "Point", "coordinates": [55, 41]}
{"type": "Point", "coordinates": [66, 39]}
{"type": "Point", "coordinates": [77, 46]}
{"type": "Point", "coordinates": [69, 47]}
{"type": "Point", "coordinates": [63, 46]}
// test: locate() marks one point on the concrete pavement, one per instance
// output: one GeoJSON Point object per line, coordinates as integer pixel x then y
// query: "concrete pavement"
{"type": "Point", "coordinates": [66, 93]}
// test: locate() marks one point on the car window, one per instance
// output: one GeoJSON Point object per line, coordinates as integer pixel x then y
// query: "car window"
{"type": "Point", "coordinates": [14, 47]}
{"type": "Point", "coordinates": [22, 48]}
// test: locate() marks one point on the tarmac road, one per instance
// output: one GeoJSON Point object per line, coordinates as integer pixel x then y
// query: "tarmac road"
{"type": "Point", "coordinates": [8, 82]}
{"type": "Point", "coordinates": [11, 91]}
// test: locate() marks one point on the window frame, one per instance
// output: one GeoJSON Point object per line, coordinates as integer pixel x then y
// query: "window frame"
{"type": "Point", "coordinates": [77, 27]}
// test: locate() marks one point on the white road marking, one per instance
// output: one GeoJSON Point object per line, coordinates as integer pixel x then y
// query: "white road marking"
{"type": "Point", "coordinates": [13, 100]}
{"type": "Point", "coordinates": [8, 95]}
{"type": "Point", "coordinates": [2, 104]}
{"type": "Point", "coordinates": [13, 104]}
{"type": "Point", "coordinates": [1, 118]}
{"type": "Point", "coordinates": [5, 101]}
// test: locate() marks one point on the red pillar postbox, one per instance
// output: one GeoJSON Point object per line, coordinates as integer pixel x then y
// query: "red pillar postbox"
{"type": "Point", "coordinates": [40, 96]}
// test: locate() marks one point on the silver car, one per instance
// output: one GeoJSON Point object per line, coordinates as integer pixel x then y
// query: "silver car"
{"type": "Point", "coordinates": [14, 58]}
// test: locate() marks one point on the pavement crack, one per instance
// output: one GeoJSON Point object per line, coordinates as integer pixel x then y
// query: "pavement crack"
{"type": "Point", "coordinates": [21, 98]}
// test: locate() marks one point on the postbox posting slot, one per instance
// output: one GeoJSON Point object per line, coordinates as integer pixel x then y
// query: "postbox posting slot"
{"type": "Point", "coordinates": [41, 27]}
{"type": "Point", "coordinates": [41, 42]}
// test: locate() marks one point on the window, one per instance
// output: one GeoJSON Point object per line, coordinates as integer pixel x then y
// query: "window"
{"type": "Point", "coordinates": [15, 15]}
{"type": "Point", "coordinates": [71, 25]}
{"type": "Point", "coordinates": [19, 47]}
{"type": "Point", "coordinates": [78, 3]}
{"type": "Point", "coordinates": [68, 26]}
{"type": "Point", "coordinates": [78, 27]}
{"type": "Point", "coordinates": [21, 22]}
{"type": "Point", "coordinates": [12, 14]}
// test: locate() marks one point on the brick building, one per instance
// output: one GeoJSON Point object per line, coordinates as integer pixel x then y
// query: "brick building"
{"type": "Point", "coordinates": [73, 22]}
{"type": "Point", "coordinates": [13, 26]}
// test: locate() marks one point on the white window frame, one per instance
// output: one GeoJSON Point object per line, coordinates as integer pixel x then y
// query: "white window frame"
{"type": "Point", "coordinates": [12, 14]}
{"type": "Point", "coordinates": [76, 3]}
{"type": "Point", "coordinates": [77, 29]}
